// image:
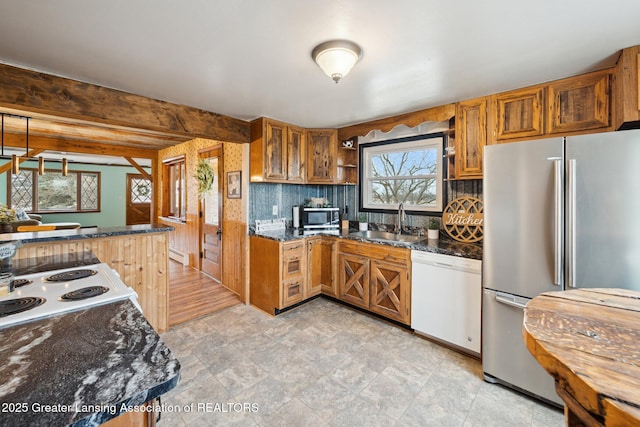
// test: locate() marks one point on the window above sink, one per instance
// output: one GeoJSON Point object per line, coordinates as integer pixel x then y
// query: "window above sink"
{"type": "Point", "coordinates": [404, 170]}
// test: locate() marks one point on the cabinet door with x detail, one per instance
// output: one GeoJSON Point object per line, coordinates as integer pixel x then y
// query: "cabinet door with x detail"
{"type": "Point", "coordinates": [389, 287]}
{"type": "Point", "coordinates": [354, 279]}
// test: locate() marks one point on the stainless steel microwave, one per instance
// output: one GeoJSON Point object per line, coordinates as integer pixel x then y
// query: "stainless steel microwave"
{"type": "Point", "coordinates": [319, 218]}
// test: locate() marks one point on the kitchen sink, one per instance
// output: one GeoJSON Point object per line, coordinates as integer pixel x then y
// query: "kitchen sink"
{"type": "Point", "coordinates": [385, 236]}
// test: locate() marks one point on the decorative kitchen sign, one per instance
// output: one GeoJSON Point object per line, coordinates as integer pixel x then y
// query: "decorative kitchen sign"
{"type": "Point", "coordinates": [463, 219]}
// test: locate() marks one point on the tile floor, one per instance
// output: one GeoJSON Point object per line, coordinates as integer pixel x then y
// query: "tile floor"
{"type": "Point", "coordinates": [323, 364]}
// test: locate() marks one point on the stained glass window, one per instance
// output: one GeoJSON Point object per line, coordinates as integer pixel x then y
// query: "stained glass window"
{"type": "Point", "coordinates": [53, 192]}
{"type": "Point", "coordinates": [140, 190]}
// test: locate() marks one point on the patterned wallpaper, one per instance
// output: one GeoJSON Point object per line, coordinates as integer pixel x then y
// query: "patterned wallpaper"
{"type": "Point", "coordinates": [234, 209]}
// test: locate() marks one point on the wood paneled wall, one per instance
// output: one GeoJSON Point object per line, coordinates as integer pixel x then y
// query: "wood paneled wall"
{"type": "Point", "coordinates": [234, 262]}
{"type": "Point", "coordinates": [141, 260]}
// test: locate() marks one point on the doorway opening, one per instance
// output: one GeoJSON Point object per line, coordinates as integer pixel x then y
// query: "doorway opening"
{"type": "Point", "coordinates": [139, 198]}
{"type": "Point", "coordinates": [211, 207]}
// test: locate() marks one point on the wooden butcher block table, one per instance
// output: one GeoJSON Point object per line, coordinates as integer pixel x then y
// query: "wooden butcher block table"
{"type": "Point", "coordinates": [589, 341]}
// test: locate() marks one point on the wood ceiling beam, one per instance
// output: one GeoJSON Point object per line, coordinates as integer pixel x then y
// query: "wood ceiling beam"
{"type": "Point", "coordinates": [73, 146]}
{"type": "Point", "coordinates": [7, 166]}
{"type": "Point", "coordinates": [139, 168]}
{"type": "Point", "coordinates": [31, 91]}
{"type": "Point", "coordinates": [435, 114]}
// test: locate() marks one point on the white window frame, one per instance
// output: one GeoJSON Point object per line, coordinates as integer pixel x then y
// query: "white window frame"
{"type": "Point", "coordinates": [426, 142]}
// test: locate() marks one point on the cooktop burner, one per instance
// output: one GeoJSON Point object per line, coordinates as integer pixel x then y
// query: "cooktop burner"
{"type": "Point", "coordinates": [71, 275]}
{"type": "Point", "coordinates": [18, 305]}
{"type": "Point", "coordinates": [102, 285]}
{"type": "Point", "coordinates": [84, 293]}
{"type": "Point", "coordinates": [18, 283]}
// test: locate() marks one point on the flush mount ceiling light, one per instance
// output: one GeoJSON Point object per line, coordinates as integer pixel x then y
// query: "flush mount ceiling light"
{"type": "Point", "coordinates": [336, 57]}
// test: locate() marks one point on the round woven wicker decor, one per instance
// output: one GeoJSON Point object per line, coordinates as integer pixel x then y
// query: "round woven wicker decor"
{"type": "Point", "coordinates": [463, 219]}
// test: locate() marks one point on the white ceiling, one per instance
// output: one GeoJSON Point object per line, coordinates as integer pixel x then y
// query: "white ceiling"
{"type": "Point", "coordinates": [251, 58]}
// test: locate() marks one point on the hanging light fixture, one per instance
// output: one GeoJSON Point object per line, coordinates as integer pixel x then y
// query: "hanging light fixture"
{"type": "Point", "coordinates": [336, 57]}
{"type": "Point", "coordinates": [65, 167]}
{"type": "Point", "coordinates": [2, 134]}
{"type": "Point", "coordinates": [15, 165]}
{"type": "Point", "coordinates": [15, 161]}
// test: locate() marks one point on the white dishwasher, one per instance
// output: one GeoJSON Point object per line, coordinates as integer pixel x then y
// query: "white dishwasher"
{"type": "Point", "coordinates": [446, 294]}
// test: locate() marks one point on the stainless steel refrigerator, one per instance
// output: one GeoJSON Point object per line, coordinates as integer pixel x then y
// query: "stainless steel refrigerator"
{"type": "Point", "coordinates": [559, 213]}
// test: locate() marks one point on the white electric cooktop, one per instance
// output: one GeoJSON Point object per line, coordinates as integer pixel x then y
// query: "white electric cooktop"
{"type": "Point", "coordinates": [40, 295]}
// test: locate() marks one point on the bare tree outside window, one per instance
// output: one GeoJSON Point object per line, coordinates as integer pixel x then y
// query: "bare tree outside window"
{"type": "Point", "coordinates": [408, 177]}
{"type": "Point", "coordinates": [406, 172]}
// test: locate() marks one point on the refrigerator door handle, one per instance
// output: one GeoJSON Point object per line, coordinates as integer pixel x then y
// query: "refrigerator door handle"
{"type": "Point", "coordinates": [558, 218]}
{"type": "Point", "coordinates": [510, 302]}
{"type": "Point", "coordinates": [571, 223]}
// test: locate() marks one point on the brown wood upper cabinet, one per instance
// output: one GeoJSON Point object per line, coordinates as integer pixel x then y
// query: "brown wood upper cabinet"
{"type": "Point", "coordinates": [289, 154]}
{"type": "Point", "coordinates": [579, 103]}
{"type": "Point", "coordinates": [277, 152]}
{"type": "Point", "coordinates": [321, 155]}
{"type": "Point", "coordinates": [296, 148]}
{"type": "Point", "coordinates": [520, 113]}
{"type": "Point", "coordinates": [574, 105]}
{"type": "Point", "coordinates": [471, 137]}
{"type": "Point", "coordinates": [627, 89]}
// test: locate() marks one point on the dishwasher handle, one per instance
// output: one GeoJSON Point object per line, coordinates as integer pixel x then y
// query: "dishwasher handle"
{"type": "Point", "coordinates": [442, 264]}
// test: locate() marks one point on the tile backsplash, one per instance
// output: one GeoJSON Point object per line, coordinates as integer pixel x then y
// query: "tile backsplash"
{"type": "Point", "coordinates": [262, 198]}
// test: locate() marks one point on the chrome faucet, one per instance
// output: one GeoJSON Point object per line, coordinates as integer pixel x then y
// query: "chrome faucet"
{"type": "Point", "coordinates": [401, 217]}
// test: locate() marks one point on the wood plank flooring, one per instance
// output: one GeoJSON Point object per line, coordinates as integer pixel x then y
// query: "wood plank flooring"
{"type": "Point", "coordinates": [193, 294]}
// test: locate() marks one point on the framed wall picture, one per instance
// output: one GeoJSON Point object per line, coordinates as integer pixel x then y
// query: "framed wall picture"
{"type": "Point", "coordinates": [234, 185]}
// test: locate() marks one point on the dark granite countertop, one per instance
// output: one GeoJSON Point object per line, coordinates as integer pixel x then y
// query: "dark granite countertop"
{"type": "Point", "coordinates": [83, 233]}
{"type": "Point", "coordinates": [444, 245]}
{"type": "Point", "coordinates": [80, 368]}
{"type": "Point", "coordinates": [42, 263]}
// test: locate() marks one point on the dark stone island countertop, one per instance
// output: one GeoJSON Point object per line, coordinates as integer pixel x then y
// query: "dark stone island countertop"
{"type": "Point", "coordinates": [83, 233]}
{"type": "Point", "coordinates": [443, 245]}
{"type": "Point", "coordinates": [80, 368]}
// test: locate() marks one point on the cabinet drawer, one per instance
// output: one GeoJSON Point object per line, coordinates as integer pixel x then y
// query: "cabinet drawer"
{"type": "Point", "coordinates": [293, 259]}
{"type": "Point", "coordinates": [293, 247]}
{"type": "Point", "coordinates": [375, 251]}
{"type": "Point", "coordinates": [291, 292]}
{"type": "Point", "coordinates": [292, 266]}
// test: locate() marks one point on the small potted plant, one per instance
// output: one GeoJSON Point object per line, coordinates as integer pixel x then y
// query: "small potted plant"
{"type": "Point", "coordinates": [7, 215]}
{"type": "Point", "coordinates": [433, 231]}
{"type": "Point", "coordinates": [363, 225]}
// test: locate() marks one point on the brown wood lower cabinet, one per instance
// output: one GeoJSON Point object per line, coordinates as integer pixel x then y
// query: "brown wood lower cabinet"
{"type": "Point", "coordinates": [320, 266]}
{"type": "Point", "coordinates": [134, 419]}
{"type": "Point", "coordinates": [277, 273]}
{"type": "Point", "coordinates": [370, 276]}
{"type": "Point", "coordinates": [354, 279]}
{"type": "Point", "coordinates": [376, 278]}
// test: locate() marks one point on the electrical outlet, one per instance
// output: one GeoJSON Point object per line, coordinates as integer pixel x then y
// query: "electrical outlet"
{"type": "Point", "coordinates": [274, 210]}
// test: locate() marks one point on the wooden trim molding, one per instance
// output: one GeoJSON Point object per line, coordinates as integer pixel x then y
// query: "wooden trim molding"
{"type": "Point", "coordinates": [435, 114]}
{"type": "Point", "coordinates": [42, 93]}
{"type": "Point", "coordinates": [46, 143]}
{"type": "Point", "coordinates": [139, 168]}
